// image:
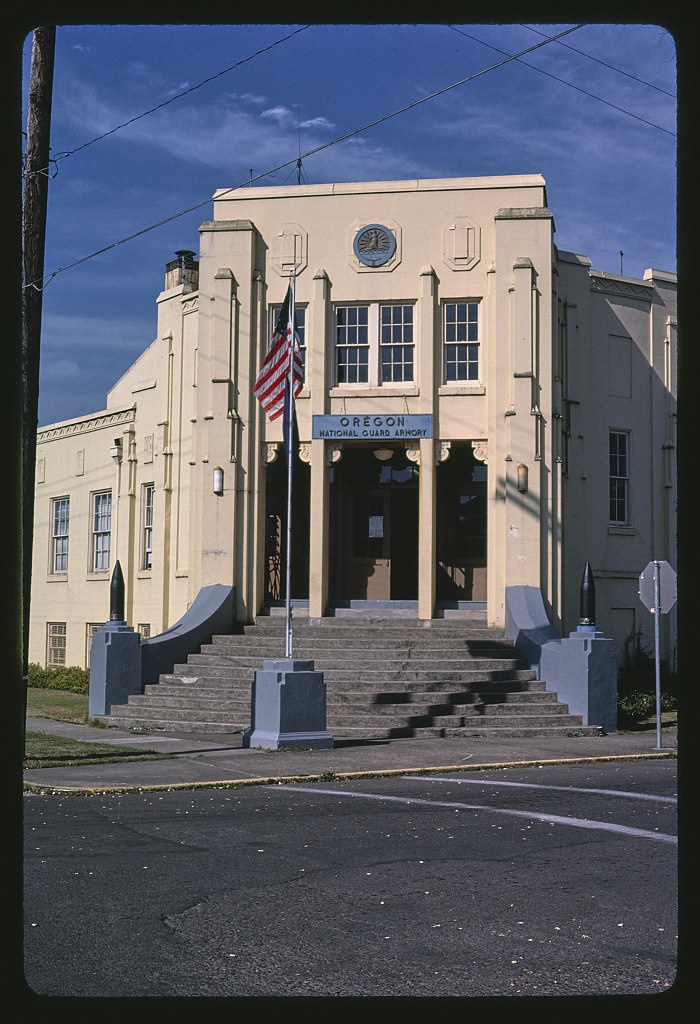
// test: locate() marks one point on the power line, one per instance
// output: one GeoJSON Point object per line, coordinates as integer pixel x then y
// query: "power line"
{"type": "Point", "coordinates": [212, 78]}
{"type": "Point", "coordinates": [312, 152]}
{"type": "Point", "coordinates": [603, 63]}
{"type": "Point", "coordinates": [591, 95]}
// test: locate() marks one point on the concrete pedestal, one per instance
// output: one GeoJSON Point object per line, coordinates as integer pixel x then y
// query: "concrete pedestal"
{"type": "Point", "coordinates": [115, 667]}
{"type": "Point", "coordinates": [288, 707]}
{"type": "Point", "coordinates": [586, 676]}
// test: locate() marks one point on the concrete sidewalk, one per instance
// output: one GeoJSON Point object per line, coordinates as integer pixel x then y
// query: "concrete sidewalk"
{"type": "Point", "coordinates": [220, 760]}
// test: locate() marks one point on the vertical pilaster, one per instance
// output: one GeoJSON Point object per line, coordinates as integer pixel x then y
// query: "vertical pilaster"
{"type": "Point", "coordinates": [429, 359]}
{"type": "Point", "coordinates": [426, 529]}
{"type": "Point", "coordinates": [497, 398]}
{"type": "Point", "coordinates": [317, 348]}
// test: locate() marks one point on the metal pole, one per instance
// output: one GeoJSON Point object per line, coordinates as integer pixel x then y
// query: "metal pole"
{"type": "Point", "coordinates": [657, 612]}
{"type": "Point", "coordinates": [290, 463]}
{"type": "Point", "coordinates": [34, 211]}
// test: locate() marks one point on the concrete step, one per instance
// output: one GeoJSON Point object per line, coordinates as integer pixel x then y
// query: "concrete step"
{"type": "Point", "coordinates": [484, 690]}
{"type": "Point", "coordinates": [384, 677]}
{"type": "Point", "coordinates": [372, 628]}
{"type": "Point", "coordinates": [203, 667]}
{"type": "Point", "coordinates": [446, 721]}
{"type": "Point", "coordinates": [148, 714]}
{"type": "Point", "coordinates": [346, 709]}
{"type": "Point", "coordinates": [326, 649]}
{"type": "Point", "coordinates": [467, 732]}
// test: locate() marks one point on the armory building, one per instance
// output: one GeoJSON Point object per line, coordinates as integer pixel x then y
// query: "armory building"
{"type": "Point", "coordinates": [481, 410]}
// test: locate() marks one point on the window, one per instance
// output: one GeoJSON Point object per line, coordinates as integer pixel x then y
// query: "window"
{"type": "Point", "coordinates": [60, 514]}
{"type": "Point", "coordinates": [461, 341]}
{"type": "Point", "coordinates": [90, 630]}
{"type": "Point", "coordinates": [619, 478]}
{"type": "Point", "coordinates": [396, 343]}
{"type": "Point", "coordinates": [144, 628]}
{"type": "Point", "coordinates": [55, 643]}
{"type": "Point", "coordinates": [374, 344]}
{"type": "Point", "coordinates": [101, 531]}
{"type": "Point", "coordinates": [300, 317]}
{"type": "Point", "coordinates": [147, 495]}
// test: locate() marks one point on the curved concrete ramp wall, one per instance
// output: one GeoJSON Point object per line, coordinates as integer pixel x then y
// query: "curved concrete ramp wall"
{"type": "Point", "coordinates": [527, 624]}
{"type": "Point", "coordinates": [581, 668]}
{"type": "Point", "coordinates": [212, 611]}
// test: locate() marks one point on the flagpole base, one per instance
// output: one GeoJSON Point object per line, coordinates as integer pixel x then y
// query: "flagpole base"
{"type": "Point", "coordinates": [288, 707]}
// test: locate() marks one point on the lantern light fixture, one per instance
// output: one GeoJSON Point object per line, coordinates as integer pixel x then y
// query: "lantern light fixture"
{"type": "Point", "coordinates": [522, 478]}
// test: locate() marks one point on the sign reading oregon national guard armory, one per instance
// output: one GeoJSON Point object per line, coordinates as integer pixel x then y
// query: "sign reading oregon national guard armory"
{"type": "Point", "coordinates": [372, 427]}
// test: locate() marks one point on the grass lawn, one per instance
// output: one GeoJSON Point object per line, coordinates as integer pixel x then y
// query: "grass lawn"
{"type": "Point", "coordinates": [45, 751]}
{"type": "Point", "coordinates": [58, 705]}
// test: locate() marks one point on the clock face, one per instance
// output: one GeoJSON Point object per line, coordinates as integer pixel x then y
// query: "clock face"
{"type": "Point", "coordinates": [374, 245]}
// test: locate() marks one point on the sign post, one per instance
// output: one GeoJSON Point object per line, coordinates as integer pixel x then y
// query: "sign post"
{"type": "Point", "coordinates": [657, 592]}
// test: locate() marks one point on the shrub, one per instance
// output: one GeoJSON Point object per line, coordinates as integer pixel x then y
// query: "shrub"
{"type": "Point", "coordinates": [636, 684]}
{"type": "Point", "coordinates": [59, 677]}
{"type": "Point", "coordinates": [636, 706]}
{"type": "Point", "coordinates": [637, 674]}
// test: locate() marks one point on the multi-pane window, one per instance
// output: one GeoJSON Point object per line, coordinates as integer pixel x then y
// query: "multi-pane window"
{"type": "Point", "coordinates": [55, 643]}
{"type": "Point", "coordinates": [374, 344]}
{"type": "Point", "coordinates": [90, 629]}
{"type": "Point", "coordinates": [144, 628]}
{"type": "Point", "coordinates": [60, 515]}
{"type": "Point", "coordinates": [461, 341]}
{"type": "Point", "coordinates": [352, 344]}
{"type": "Point", "coordinates": [101, 531]}
{"type": "Point", "coordinates": [396, 343]}
{"type": "Point", "coordinates": [619, 477]}
{"type": "Point", "coordinates": [147, 495]}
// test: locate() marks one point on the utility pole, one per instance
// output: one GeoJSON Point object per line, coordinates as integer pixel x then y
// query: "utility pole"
{"type": "Point", "coordinates": [36, 188]}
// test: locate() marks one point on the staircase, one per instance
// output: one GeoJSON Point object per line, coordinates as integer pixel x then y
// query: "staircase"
{"type": "Point", "coordinates": [385, 678]}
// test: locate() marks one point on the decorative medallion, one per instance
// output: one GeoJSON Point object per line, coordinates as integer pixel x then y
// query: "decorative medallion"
{"type": "Point", "coordinates": [374, 245]}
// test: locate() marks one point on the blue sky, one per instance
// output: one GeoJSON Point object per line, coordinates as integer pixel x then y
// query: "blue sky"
{"type": "Point", "coordinates": [594, 113]}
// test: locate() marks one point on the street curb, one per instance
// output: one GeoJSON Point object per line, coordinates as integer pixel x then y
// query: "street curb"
{"type": "Point", "coordinates": [39, 789]}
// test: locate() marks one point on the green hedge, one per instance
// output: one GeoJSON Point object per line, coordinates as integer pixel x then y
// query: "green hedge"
{"type": "Point", "coordinates": [59, 677]}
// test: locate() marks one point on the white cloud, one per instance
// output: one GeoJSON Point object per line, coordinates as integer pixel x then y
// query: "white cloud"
{"type": "Point", "coordinates": [317, 122]}
{"type": "Point", "coordinates": [64, 369]}
{"type": "Point", "coordinates": [280, 114]}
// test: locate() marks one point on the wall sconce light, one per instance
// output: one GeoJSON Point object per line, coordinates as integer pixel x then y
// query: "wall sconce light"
{"type": "Point", "coordinates": [116, 450]}
{"type": "Point", "coordinates": [522, 477]}
{"type": "Point", "coordinates": [383, 454]}
{"type": "Point", "coordinates": [218, 487]}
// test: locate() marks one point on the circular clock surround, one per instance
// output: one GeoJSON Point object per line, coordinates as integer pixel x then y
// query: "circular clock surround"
{"type": "Point", "coordinates": [374, 245]}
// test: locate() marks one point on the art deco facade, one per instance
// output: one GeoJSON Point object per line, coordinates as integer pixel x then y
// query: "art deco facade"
{"type": "Point", "coordinates": [480, 410]}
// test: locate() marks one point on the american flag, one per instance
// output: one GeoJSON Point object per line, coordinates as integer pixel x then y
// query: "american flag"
{"type": "Point", "coordinates": [275, 371]}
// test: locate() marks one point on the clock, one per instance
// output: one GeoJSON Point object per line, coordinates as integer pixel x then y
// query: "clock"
{"type": "Point", "coordinates": [374, 245]}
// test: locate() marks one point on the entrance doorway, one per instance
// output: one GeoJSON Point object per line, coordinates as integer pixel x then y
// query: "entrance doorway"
{"type": "Point", "coordinates": [461, 527]}
{"type": "Point", "coordinates": [276, 531]}
{"type": "Point", "coordinates": [374, 527]}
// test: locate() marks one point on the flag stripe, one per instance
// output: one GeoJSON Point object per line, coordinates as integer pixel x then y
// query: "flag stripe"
{"type": "Point", "coordinates": [269, 387]}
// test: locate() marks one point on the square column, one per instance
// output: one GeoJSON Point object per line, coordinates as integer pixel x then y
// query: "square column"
{"type": "Point", "coordinates": [319, 528]}
{"type": "Point", "coordinates": [426, 528]}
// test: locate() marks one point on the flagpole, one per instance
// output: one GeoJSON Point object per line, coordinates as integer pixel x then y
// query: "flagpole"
{"type": "Point", "coordinates": [290, 464]}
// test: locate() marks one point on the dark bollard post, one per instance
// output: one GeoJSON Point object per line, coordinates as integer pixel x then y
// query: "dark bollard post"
{"type": "Point", "coordinates": [116, 595]}
{"type": "Point", "coordinates": [587, 605]}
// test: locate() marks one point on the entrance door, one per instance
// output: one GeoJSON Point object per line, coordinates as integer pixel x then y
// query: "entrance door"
{"type": "Point", "coordinates": [461, 528]}
{"type": "Point", "coordinates": [370, 558]}
{"type": "Point", "coordinates": [374, 527]}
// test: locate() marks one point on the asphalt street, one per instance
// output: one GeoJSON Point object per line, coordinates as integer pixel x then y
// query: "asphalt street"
{"type": "Point", "coordinates": [508, 880]}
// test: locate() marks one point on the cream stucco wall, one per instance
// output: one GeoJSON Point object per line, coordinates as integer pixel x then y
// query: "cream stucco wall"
{"type": "Point", "coordinates": [568, 354]}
